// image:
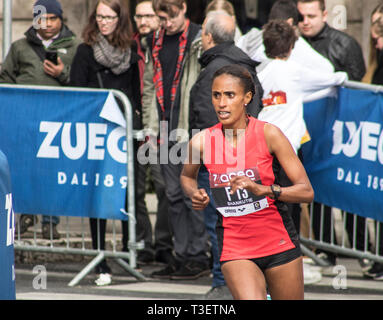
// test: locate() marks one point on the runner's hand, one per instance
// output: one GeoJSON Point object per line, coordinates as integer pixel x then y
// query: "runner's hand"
{"type": "Point", "coordinates": [240, 182]}
{"type": "Point", "coordinates": [200, 200]}
{"type": "Point", "coordinates": [243, 182]}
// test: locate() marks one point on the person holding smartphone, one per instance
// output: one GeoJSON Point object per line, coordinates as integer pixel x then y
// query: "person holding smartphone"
{"type": "Point", "coordinates": [43, 57]}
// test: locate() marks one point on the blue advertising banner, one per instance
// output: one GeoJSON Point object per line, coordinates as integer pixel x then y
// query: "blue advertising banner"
{"type": "Point", "coordinates": [7, 231]}
{"type": "Point", "coordinates": [344, 159]}
{"type": "Point", "coordinates": [65, 158]}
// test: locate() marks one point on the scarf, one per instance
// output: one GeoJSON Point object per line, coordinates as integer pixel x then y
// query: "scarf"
{"type": "Point", "coordinates": [117, 60]}
{"type": "Point", "coordinates": [157, 75]}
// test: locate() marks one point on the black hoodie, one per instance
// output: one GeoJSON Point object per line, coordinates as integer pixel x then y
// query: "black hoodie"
{"type": "Point", "coordinates": [202, 114]}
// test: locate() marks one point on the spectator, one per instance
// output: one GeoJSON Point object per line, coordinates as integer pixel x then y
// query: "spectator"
{"type": "Point", "coordinates": [218, 32]}
{"type": "Point", "coordinates": [376, 271]}
{"type": "Point", "coordinates": [169, 74]}
{"type": "Point", "coordinates": [346, 55]}
{"type": "Point", "coordinates": [108, 59]}
{"type": "Point", "coordinates": [195, 10]}
{"type": "Point", "coordinates": [26, 63]}
{"type": "Point", "coordinates": [252, 13]}
{"type": "Point", "coordinates": [224, 5]}
{"type": "Point", "coordinates": [147, 22]}
{"type": "Point", "coordinates": [284, 95]}
{"type": "Point", "coordinates": [302, 53]}
{"type": "Point", "coordinates": [375, 69]}
{"type": "Point", "coordinates": [342, 50]}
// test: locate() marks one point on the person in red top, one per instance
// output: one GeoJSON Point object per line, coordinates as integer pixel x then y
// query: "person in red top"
{"type": "Point", "coordinates": [258, 242]}
{"type": "Point", "coordinates": [148, 22]}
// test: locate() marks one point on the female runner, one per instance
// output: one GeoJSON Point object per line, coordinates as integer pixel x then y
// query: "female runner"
{"type": "Point", "coordinates": [259, 246]}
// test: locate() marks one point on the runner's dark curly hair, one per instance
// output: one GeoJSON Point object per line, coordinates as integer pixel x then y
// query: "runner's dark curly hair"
{"type": "Point", "coordinates": [239, 72]}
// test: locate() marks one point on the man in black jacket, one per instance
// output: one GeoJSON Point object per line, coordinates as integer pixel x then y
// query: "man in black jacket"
{"type": "Point", "coordinates": [219, 50]}
{"type": "Point", "coordinates": [341, 49]}
{"type": "Point", "coordinates": [346, 55]}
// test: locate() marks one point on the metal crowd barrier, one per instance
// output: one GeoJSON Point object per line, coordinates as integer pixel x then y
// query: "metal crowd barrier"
{"type": "Point", "coordinates": [339, 243]}
{"type": "Point", "coordinates": [36, 245]}
{"type": "Point", "coordinates": [343, 241]}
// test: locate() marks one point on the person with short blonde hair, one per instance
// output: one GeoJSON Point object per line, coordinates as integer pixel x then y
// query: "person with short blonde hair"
{"type": "Point", "coordinates": [226, 6]}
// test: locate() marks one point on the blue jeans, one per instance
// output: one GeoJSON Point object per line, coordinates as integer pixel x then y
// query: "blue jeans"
{"type": "Point", "coordinates": [210, 216]}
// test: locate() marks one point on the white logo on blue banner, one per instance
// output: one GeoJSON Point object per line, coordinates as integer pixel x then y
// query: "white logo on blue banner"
{"type": "Point", "coordinates": [65, 158]}
{"type": "Point", "coordinates": [344, 158]}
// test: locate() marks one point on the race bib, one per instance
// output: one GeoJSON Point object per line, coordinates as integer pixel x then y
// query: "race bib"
{"type": "Point", "coordinates": [240, 203]}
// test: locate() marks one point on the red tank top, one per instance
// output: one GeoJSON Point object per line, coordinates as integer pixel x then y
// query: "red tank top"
{"type": "Point", "coordinates": [252, 226]}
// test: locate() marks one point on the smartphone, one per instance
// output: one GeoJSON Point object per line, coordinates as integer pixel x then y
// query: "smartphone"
{"type": "Point", "coordinates": [51, 56]}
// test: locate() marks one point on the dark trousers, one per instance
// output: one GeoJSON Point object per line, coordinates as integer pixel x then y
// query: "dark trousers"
{"type": "Point", "coordinates": [98, 226]}
{"type": "Point", "coordinates": [325, 235]}
{"type": "Point", "coordinates": [190, 236]}
{"type": "Point", "coordinates": [163, 234]}
{"type": "Point", "coordinates": [211, 217]}
{"type": "Point", "coordinates": [162, 230]}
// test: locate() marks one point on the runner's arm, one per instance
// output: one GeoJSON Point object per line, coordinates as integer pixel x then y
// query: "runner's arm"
{"type": "Point", "coordinates": [189, 174]}
{"type": "Point", "coordinates": [301, 190]}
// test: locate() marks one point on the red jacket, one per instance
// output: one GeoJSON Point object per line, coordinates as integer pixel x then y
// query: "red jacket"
{"type": "Point", "coordinates": [141, 62]}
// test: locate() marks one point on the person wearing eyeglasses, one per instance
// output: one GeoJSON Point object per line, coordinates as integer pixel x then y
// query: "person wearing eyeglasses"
{"type": "Point", "coordinates": [27, 63]}
{"type": "Point", "coordinates": [160, 250]}
{"type": "Point", "coordinates": [170, 72]}
{"type": "Point", "coordinates": [146, 22]}
{"type": "Point", "coordinates": [108, 59]}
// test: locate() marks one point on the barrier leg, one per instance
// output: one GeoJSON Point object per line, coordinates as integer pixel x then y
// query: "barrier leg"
{"type": "Point", "coordinates": [128, 268]}
{"type": "Point", "coordinates": [84, 272]}
{"type": "Point", "coordinates": [313, 256]}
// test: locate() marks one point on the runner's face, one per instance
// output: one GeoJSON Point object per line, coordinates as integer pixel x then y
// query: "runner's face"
{"type": "Point", "coordinates": [229, 100]}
